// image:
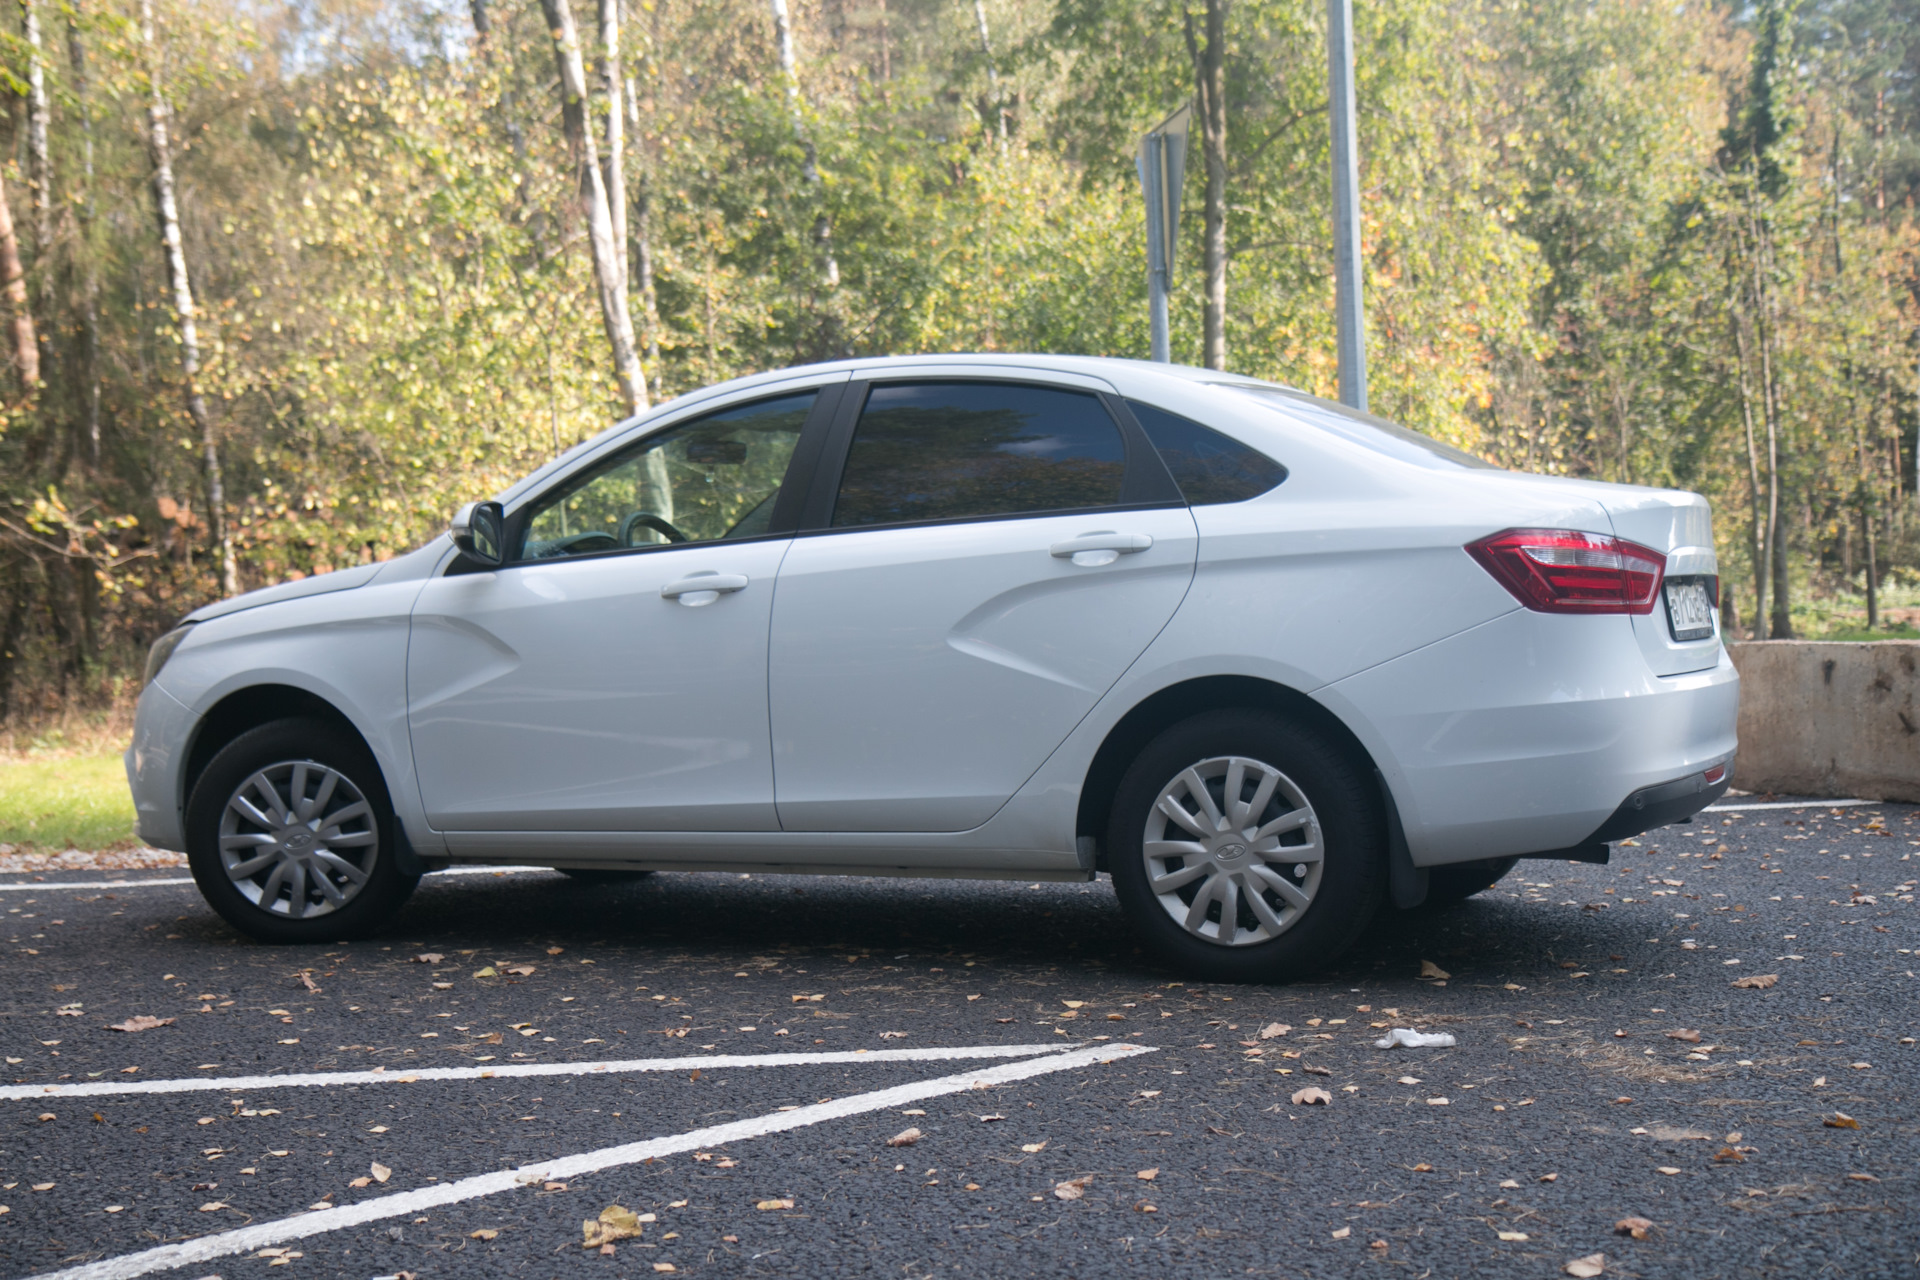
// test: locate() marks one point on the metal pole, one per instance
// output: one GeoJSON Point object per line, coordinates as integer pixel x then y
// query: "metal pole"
{"type": "Point", "coordinates": [1349, 308]}
{"type": "Point", "coordinates": [1153, 179]}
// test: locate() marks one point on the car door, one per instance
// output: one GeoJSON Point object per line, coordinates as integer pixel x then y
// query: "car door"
{"type": "Point", "coordinates": [981, 561]}
{"type": "Point", "coordinates": [611, 676]}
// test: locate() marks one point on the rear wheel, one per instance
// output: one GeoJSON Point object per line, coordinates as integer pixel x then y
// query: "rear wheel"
{"type": "Point", "coordinates": [290, 835]}
{"type": "Point", "coordinates": [1246, 846]}
{"type": "Point", "coordinates": [595, 875]}
{"type": "Point", "coordinates": [1451, 885]}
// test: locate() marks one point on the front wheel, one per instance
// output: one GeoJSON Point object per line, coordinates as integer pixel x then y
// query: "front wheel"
{"type": "Point", "coordinates": [290, 835]}
{"type": "Point", "coordinates": [1245, 846]}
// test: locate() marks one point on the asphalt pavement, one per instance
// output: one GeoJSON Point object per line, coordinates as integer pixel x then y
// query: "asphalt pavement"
{"type": "Point", "coordinates": [719, 1062]}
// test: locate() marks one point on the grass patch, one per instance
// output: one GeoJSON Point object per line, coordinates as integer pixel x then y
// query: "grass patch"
{"type": "Point", "coordinates": [71, 802]}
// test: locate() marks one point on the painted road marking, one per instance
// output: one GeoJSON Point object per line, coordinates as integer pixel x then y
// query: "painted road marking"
{"type": "Point", "coordinates": [302, 1225]}
{"type": "Point", "coordinates": [414, 1075]}
{"type": "Point", "coordinates": [141, 884]}
{"type": "Point", "coordinates": [1790, 804]}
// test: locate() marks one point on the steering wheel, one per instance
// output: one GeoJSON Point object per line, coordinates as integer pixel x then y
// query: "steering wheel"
{"type": "Point", "coordinates": [648, 520]}
{"type": "Point", "coordinates": [579, 544]}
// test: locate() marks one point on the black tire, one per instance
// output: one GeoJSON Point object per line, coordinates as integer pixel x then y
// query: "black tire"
{"type": "Point", "coordinates": [1353, 839]}
{"type": "Point", "coordinates": [596, 875]}
{"type": "Point", "coordinates": [303, 744]}
{"type": "Point", "coordinates": [1450, 886]}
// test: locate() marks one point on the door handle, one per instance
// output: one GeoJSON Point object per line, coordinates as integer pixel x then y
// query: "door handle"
{"type": "Point", "coordinates": [1091, 550]}
{"type": "Point", "coordinates": [703, 587]}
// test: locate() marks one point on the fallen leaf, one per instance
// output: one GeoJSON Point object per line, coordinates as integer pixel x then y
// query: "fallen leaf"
{"type": "Point", "coordinates": [1033, 1148]}
{"type": "Point", "coordinates": [212, 1205]}
{"type": "Point", "coordinates": [1756, 981]}
{"type": "Point", "coordinates": [1074, 1004]}
{"type": "Point", "coordinates": [809, 999]}
{"type": "Point", "coordinates": [484, 1233]}
{"type": "Point", "coordinates": [141, 1022]}
{"type": "Point", "coordinates": [1687, 1034]}
{"type": "Point", "coordinates": [904, 1138]}
{"type": "Point", "coordinates": [1343, 1233]}
{"type": "Point", "coordinates": [1317, 1071]}
{"type": "Point", "coordinates": [488, 972]}
{"type": "Point", "coordinates": [361, 1181]}
{"type": "Point", "coordinates": [1729, 1155]}
{"type": "Point", "coordinates": [1670, 1133]}
{"type": "Point", "coordinates": [434, 957]}
{"type": "Point", "coordinates": [1549, 1177]}
{"type": "Point", "coordinates": [523, 970]}
{"type": "Point", "coordinates": [1513, 1235]}
{"type": "Point", "coordinates": [1408, 1080]}
{"type": "Point", "coordinates": [1428, 969]}
{"type": "Point", "coordinates": [1667, 1169]}
{"type": "Point", "coordinates": [46, 1116]}
{"type": "Point", "coordinates": [1591, 1265]}
{"type": "Point", "coordinates": [1073, 1188]}
{"type": "Point", "coordinates": [1147, 1175]}
{"type": "Point", "coordinates": [1861, 1177]}
{"type": "Point", "coordinates": [1635, 1227]}
{"type": "Point", "coordinates": [1840, 1120]}
{"type": "Point", "coordinates": [774, 1204]}
{"type": "Point", "coordinates": [616, 1222]}
{"type": "Point", "coordinates": [1510, 1184]}
{"type": "Point", "coordinates": [380, 1172]}
{"type": "Point", "coordinates": [664, 1267]}
{"type": "Point", "coordinates": [554, 951]}
{"type": "Point", "coordinates": [1150, 1093]}
{"type": "Point", "coordinates": [1312, 1097]}
{"type": "Point", "coordinates": [1274, 1030]}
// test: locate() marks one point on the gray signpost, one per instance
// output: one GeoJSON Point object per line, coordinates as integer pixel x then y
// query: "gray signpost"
{"type": "Point", "coordinates": [1163, 165]}
{"type": "Point", "coordinates": [1349, 308]}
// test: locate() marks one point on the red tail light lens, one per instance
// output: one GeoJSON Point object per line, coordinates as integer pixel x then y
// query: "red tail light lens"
{"type": "Point", "coordinates": [1566, 571]}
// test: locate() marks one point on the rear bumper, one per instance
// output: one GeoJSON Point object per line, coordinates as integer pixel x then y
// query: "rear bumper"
{"type": "Point", "coordinates": [1536, 732]}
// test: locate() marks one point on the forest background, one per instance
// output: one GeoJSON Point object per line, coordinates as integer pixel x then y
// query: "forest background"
{"type": "Point", "coordinates": [283, 284]}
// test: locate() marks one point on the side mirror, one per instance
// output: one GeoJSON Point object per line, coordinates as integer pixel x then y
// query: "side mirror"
{"type": "Point", "coordinates": [479, 530]}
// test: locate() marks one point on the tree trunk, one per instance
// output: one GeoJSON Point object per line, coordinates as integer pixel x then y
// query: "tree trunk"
{"type": "Point", "coordinates": [1757, 528]}
{"type": "Point", "coordinates": [613, 170]}
{"type": "Point", "coordinates": [993, 73]}
{"type": "Point", "coordinates": [89, 269]}
{"type": "Point", "coordinates": [810, 165]}
{"type": "Point", "coordinates": [13, 279]}
{"type": "Point", "coordinates": [1210, 84]}
{"type": "Point", "coordinates": [609, 271]}
{"type": "Point", "coordinates": [40, 171]}
{"type": "Point", "coordinates": [168, 211]}
{"type": "Point", "coordinates": [643, 241]}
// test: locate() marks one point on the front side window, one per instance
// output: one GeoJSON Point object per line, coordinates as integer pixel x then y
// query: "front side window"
{"type": "Point", "coordinates": [962, 450]}
{"type": "Point", "coordinates": [700, 482]}
{"type": "Point", "coordinates": [1209, 467]}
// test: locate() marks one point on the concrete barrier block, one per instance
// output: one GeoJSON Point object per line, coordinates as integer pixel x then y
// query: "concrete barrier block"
{"type": "Point", "coordinates": [1821, 719]}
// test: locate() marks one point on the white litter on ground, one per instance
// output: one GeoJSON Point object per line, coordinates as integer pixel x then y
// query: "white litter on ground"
{"type": "Point", "coordinates": [1402, 1038]}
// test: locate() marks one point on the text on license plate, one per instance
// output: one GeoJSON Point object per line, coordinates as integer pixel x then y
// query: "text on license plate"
{"type": "Point", "coordinates": [1689, 609]}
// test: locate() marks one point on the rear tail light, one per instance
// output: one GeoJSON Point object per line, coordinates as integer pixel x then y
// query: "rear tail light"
{"type": "Point", "coordinates": [1566, 571]}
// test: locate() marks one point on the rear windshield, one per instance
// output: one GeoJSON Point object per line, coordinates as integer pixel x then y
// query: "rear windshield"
{"type": "Point", "coordinates": [1362, 429]}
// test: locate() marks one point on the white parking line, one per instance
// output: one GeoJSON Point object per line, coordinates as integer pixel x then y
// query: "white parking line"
{"type": "Point", "coordinates": [1790, 804]}
{"type": "Point", "coordinates": [303, 1225]}
{"type": "Point", "coordinates": [141, 884]}
{"type": "Point", "coordinates": [415, 1075]}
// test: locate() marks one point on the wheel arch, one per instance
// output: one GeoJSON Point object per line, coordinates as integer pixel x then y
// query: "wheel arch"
{"type": "Point", "coordinates": [1165, 708]}
{"type": "Point", "coordinates": [249, 708]}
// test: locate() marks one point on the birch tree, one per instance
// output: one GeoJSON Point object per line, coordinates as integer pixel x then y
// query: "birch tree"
{"type": "Point", "coordinates": [609, 271]}
{"type": "Point", "coordinates": [810, 162]}
{"type": "Point", "coordinates": [167, 209]}
{"type": "Point", "coordinates": [13, 280]}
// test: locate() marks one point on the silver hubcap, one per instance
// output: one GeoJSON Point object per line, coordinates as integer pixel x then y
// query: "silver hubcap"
{"type": "Point", "coordinates": [1233, 851]}
{"type": "Point", "coordinates": [298, 839]}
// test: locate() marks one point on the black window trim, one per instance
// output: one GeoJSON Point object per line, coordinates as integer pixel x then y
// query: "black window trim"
{"type": "Point", "coordinates": [1146, 484]}
{"type": "Point", "coordinates": [786, 503]}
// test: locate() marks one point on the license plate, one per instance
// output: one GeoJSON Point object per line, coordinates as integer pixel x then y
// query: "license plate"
{"type": "Point", "coordinates": [1689, 609]}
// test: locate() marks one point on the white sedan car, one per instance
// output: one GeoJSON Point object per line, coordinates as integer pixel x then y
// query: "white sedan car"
{"type": "Point", "coordinates": [1266, 661]}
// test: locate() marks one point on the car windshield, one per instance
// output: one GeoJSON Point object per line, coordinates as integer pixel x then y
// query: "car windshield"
{"type": "Point", "coordinates": [1362, 429]}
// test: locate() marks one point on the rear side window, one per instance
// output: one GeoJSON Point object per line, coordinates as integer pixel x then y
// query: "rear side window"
{"type": "Point", "coordinates": [961, 450]}
{"type": "Point", "coordinates": [1208, 467]}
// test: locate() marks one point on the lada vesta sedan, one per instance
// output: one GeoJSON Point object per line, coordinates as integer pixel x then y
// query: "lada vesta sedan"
{"type": "Point", "coordinates": [1265, 661]}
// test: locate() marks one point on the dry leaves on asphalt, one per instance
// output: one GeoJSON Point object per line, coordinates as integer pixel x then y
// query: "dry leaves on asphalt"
{"type": "Point", "coordinates": [521, 970]}
{"type": "Point", "coordinates": [380, 1172]}
{"type": "Point", "coordinates": [1148, 1175]}
{"type": "Point", "coordinates": [1512, 1236]}
{"type": "Point", "coordinates": [1428, 969]}
{"type": "Point", "coordinates": [1635, 1227]}
{"type": "Point", "coordinates": [1591, 1265]}
{"type": "Point", "coordinates": [1756, 981]}
{"type": "Point", "coordinates": [774, 1204]}
{"type": "Point", "coordinates": [904, 1138]}
{"type": "Point", "coordinates": [141, 1022]}
{"type": "Point", "coordinates": [616, 1222]}
{"type": "Point", "coordinates": [1033, 1148]}
{"type": "Point", "coordinates": [1311, 1097]}
{"type": "Point", "coordinates": [434, 957]}
{"type": "Point", "coordinates": [1840, 1120]}
{"type": "Point", "coordinates": [1274, 1030]}
{"type": "Point", "coordinates": [1343, 1233]}
{"type": "Point", "coordinates": [1687, 1034]}
{"type": "Point", "coordinates": [1073, 1188]}
{"type": "Point", "coordinates": [484, 1233]}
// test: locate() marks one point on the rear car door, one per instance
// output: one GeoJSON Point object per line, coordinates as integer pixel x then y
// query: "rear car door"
{"type": "Point", "coordinates": [612, 675]}
{"type": "Point", "coordinates": [980, 560]}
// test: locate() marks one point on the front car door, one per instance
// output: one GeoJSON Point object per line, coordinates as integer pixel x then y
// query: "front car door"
{"type": "Point", "coordinates": [993, 556]}
{"type": "Point", "coordinates": [611, 676]}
